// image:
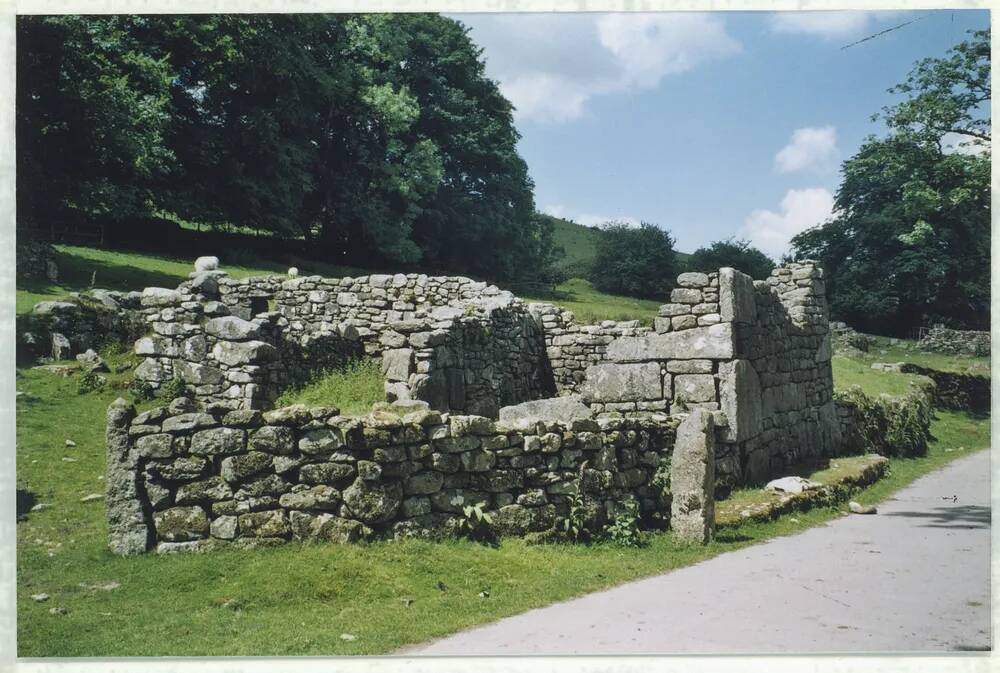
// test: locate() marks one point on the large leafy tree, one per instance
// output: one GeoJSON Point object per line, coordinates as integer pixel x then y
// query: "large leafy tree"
{"type": "Point", "coordinates": [737, 253]}
{"type": "Point", "coordinates": [91, 119]}
{"type": "Point", "coordinates": [909, 244]}
{"type": "Point", "coordinates": [378, 137]}
{"type": "Point", "coordinates": [634, 261]}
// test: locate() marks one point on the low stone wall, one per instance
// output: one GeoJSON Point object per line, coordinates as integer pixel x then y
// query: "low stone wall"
{"type": "Point", "coordinates": [952, 390]}
{"type": "Point", "coordinates": [181, 479]}
{"type": "Point", "coordinates": [942, 340]}
{"type": "Point", "coordinates": [62, 329]}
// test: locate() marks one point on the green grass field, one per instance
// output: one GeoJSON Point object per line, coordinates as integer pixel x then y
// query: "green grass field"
{"type": "Point", "coordinates": [300, 599]}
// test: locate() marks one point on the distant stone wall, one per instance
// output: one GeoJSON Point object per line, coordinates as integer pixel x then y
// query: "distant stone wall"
{"type": "Point", "coordinates": [572, 347]}
{"type": "Point", "coordinates": [952, 341]}
{"type": "Point", "coordinates": [461, 345]}
{"type": "Point", "coordinates": [185, 479]}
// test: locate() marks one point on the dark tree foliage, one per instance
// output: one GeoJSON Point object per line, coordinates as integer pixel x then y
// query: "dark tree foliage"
{"type": "Point", "coordinates": [378, 137]}
{"type": "Point", "coordinates": [737, 253]}
{"type": "Point", "coordinates": [634, 261]}
{"type": "Point", "coordinates": [910, 241]}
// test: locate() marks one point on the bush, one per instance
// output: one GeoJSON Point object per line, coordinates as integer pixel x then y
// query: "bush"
{"type": "Point", "coordinates": [90, 382]}
{"type": "Point", "coordinates": [634, 261]}
{"type": "Point", "coordinates": [475, 523]}
{"type": "Point", "coordinates": [141, 390]}
{"type": "Point", "coordinates": [891, 426]}
{"type": "Point", "coordinates": [736, 253]}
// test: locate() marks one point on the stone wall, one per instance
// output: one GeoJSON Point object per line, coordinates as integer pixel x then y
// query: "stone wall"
{"type": "Point", "coordinates": [186, 479]}
{"type": "Point", "coordinates": [952, 341]}
{"type": "Point", "coordinates": [756, 353]}
{"type": "Point", "coordinates": [461, 345]}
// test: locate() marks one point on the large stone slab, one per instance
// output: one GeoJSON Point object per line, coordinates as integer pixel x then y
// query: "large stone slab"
{"type": "Point", "coordinates": [622, 383]}
{"type": "Point", "coordinates": [713, 342]}
{"type": "Point", "coordinates": [566, 409]}
{"type": "Point", "coordinates": [740, 399]}
{"type": "Point", "coordinates": [692, 479]}
{"type": "Point", "coordinates": [737, 297]}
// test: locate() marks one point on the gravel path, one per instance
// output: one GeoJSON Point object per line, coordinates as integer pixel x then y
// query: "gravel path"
{"type": "Point", "coordinates": [914, 577]}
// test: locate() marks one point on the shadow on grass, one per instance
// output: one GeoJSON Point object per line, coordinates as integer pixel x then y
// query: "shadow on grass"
{"type": "Point", "coordinates": [76, 274]}
{"type": "Point", "coordinates": [25, 501]}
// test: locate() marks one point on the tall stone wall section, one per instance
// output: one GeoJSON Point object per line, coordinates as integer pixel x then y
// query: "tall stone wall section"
{"type": "Point", "coordinates": [755, 353]}
{"type": "Point", "coordinates": [208, 479]}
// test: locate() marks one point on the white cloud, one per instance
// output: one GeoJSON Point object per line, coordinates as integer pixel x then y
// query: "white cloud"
{"type": "Point", "coordinates": [551, 65]}
{"type": "Point", "coordinates": [956, 143]}
{"type": "Point", "coordinates": [800, 209]}
{"type": "Point", "coordinates": [588, 219]}
{"type": "Point", "coordinates": [828, 25]}
{"type": "Point", "coordinates": [810, 148]}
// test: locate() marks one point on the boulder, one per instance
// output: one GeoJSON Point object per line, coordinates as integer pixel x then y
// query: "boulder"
{"type": "Point", "coordinates": [792, 485]}
{"type": "Point", "coordinates": [206, 264]}
{"type": "Point", "coordinates": [712, 342]}
{"type": "Point", "coordinates": [565, 409]}
{"type": "Point", "coordinates": [622, 382]}
{"type": "Point", "coordinates": [243, 353]}
{"type": "Point", "coordinates": [232, 328]}
{"type": "Point", "coordinates": [373, 502]}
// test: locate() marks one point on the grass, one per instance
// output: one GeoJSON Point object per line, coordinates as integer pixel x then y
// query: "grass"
{"type": "Point", "coordinates": [904, 351]}
{"type": "Point", "coordinates": [353, 389]}
{"type": "Point", "coordinates": [589, 305]}
{"type": "Point", "coordinates": [81, 268]}
{"type": "Point", "coordinates": [849, 372]}
{"type": "Point", "coordinates": [299, 599]}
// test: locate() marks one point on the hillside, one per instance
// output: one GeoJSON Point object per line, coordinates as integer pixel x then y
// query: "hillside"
{"type": "Point", "coordinates": [579, 243]}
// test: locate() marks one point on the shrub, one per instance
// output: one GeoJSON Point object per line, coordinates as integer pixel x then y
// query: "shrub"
{"type": "Point", "coordinates": [624, 531]}
{"type": "Point", "coordinates": [141, 390]}
{"type": "Point", "coordinates": [634, 261]}
{"type": "Point", "coordinates": [172, 389]}
{"type": "Point", "coordinates": [90, 382]}
{"type": "Point", "coordinates": [353, 388]}
{"type": "Point", "coordinates": [891, 426]}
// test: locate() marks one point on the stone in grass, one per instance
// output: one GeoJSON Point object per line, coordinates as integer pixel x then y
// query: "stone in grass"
{"type": "Point", "coordinates": [858, 508]}
{"type": "Point", "coordinates": [792, 485]}
{"type": "Point", "coordinates": [39, 598]}
{"type": "Point", "coordinates": [57, 611]}
{"type": "Point", "coordinates": [70, 443]}
{"type": "Point", "coordinates": [92, 497]}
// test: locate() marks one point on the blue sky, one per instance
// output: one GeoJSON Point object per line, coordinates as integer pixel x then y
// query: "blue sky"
{"type": "Point", "coordinates": [710, 125]}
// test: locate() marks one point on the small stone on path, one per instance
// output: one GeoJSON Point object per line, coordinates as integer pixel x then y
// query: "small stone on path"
{"type": "Point", "coordinates": [858, 508]}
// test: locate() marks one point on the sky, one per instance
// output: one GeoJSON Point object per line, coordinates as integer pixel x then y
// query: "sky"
{"type": "Point", "coordinates": [710, 125]}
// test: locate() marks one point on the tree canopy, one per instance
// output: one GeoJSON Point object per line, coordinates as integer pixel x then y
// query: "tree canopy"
{"type": "Point", "coordinates": [737, 253]}
{"type": "Point", "coordinates": [377, 136]}
{"type": "Point", "coordinates": [909, 244]}
{"type": "Point", "coordinates": [634, 261]}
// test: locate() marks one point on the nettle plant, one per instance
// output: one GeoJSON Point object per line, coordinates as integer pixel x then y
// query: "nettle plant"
{"type": "Point", "coordinates": [573, 526]}
{"type": "Point", "coordinates": [624, 530]}
{"type": "Point", "coordinates": [475, 523]}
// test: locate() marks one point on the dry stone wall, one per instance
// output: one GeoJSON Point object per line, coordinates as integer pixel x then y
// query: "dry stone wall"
{"type": "Point", "coordinates": [750, 358]}
{"type": "Point", "coordinates": [943, 340]}
{"type": "Point", "coordinates": [187, 479]}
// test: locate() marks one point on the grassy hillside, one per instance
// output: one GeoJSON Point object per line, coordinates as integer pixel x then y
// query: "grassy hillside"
{"type": "Point", "coordinates": [580, 245]}
{"type": "Point", "coordinates": [121, 270]}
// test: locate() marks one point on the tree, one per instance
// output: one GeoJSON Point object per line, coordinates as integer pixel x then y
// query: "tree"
{"type": "Point", "coordinates": [909, 244]}
{"type": "Point", "coordinates": [736, 253]}
{"type": "Point", "coordinates": [634, 261]}
{"type": "Point", "coordinates": [91, 118]}
{"type": "Point", "coordinates": [378, 137]}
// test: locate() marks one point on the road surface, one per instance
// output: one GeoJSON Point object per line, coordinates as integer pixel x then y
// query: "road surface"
{"type": "Point", "coordinates": [914, 577]}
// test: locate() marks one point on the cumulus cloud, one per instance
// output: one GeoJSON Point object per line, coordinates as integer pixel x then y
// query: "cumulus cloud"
{"type": "Point", "coordinates": [810, 148]}
{"type": "Point", "coordinates": [799, 210]}
{"type": "Point", "coordinates": [589, 219]}
{"type": "Point", "coordinates": [551, 65]}
{"type": "Point", "coordinates": [828, 25]}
